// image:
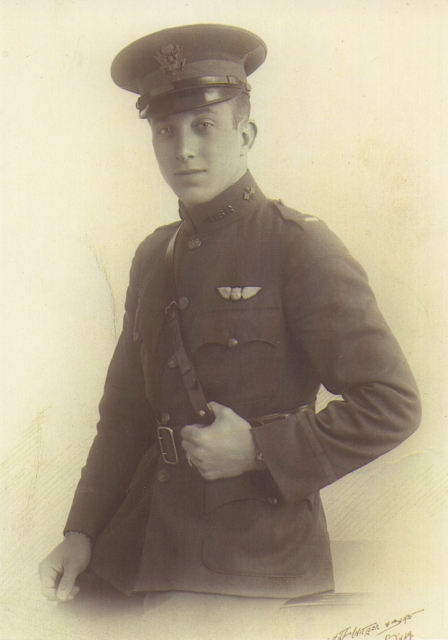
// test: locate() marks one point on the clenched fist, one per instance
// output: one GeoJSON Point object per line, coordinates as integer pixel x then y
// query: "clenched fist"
{"type": "Point", "coordinates": [60, 569]}
{"type": "Point", "coordinates": [224, 449]}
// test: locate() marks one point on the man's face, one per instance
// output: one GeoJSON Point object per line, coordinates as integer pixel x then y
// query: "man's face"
{"type": "Point", "coordinates": [200, 152]}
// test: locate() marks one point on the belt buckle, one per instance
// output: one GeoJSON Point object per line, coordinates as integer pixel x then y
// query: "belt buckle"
{"type": "Point", "coordinates": [160, 434]}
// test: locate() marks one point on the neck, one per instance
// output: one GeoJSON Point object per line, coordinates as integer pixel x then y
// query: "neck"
{"type": "Point", "coordinates": [240, 198]}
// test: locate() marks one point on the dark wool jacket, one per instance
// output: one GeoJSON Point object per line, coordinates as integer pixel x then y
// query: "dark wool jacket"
{"type": "Point", "coordinates": [313, 320]}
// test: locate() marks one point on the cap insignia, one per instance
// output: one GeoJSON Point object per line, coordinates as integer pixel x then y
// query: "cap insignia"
{"type": "Point", "coordinates": [249, 193]}
{"type": "Point", "coordinates": [171, 60]}
{"type": "Point", "coordinates": [236, 293]}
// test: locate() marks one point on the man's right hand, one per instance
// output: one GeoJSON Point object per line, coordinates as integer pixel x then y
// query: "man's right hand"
{"type": "Point", "coordinates": [60, 569]}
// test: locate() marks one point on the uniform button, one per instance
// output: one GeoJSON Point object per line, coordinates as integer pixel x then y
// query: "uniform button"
{"type": "Point", "coordinates": [194, 243]}
{"type": "Point", "coordinates": [163, 475]}
{"type": "Point", "coordinates": [183, 302]}
{"type": "Point", "coordinates": [136, 336]}
{"type": "Point", "coordinates": [172, 362]}
{"type": "Point", "coordinates": [232, 342]}
{"type": "Point", "coordinates": [165, 419]}
{"type": "Point", "coordinates": [273, 501]}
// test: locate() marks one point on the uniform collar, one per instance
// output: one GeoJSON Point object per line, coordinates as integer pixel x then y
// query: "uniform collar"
{"type": "Point", "coordinates": [241, 198]}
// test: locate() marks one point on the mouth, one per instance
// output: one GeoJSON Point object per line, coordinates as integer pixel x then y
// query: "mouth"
{"type": "Point", "coordinates": [189, 172]}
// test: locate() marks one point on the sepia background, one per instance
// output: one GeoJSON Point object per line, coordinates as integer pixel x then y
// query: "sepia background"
{"type": "Point", "coordinates": [351, 106]}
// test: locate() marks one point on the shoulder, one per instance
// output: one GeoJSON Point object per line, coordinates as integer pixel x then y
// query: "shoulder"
{"type": "Point", "coordinates": [306, 235]}
{"type": "Point", "coordinates": [152, 249]}
{"type": "Point", "coordinates": [315, 254]}
{"type": "Point", "coordinates": [300, 219]}
{"type": "Point", "coordinates": [155, 242]}
{"type": "Point", "coordinates": [157, 239]}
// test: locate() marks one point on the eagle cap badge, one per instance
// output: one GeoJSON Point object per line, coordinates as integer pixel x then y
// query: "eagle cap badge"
{"type": "Point", "coordinates": [170, 57]}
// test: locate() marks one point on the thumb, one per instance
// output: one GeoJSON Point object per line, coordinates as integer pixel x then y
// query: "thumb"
{"type": "Point", "coordinates": [67, 589]}
{"type": "Point", "coordinates": [218, 409]}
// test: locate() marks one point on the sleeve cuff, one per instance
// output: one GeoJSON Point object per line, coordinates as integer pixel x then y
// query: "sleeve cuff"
{"type": "Point", "coordinates": [294, 457]}
{"type": "Point", "coordinates": [88, 514]}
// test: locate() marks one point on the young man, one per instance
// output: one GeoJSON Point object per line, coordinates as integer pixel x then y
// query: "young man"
{"type": "Point", "coordinates": [205, 473]}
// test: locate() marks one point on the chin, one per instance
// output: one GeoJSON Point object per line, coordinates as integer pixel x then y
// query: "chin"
{"type": "Point", "coordinates": [193, 199]}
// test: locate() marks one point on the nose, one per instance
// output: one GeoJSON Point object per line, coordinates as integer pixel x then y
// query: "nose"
{"type": "Point", "coordinates": [185, 146]}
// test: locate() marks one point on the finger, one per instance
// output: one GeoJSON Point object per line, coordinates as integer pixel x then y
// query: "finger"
{"type": "Point", "coordinates": [190, 461]}
{"type": "Point", "coordinates": [48, 584]}
{"type": "Point", "coordinates": [193, 451]}
{"type": "Point", "coordinates": [74, 593]}
{"type": "Point", "coordinates": [188, 447]}
{"type": "Point", "coordinates": [190, 432]}
{"type": "Point", "coordinates": [49, 578]}
{"type": "Point", "coordinates": [66, 585]}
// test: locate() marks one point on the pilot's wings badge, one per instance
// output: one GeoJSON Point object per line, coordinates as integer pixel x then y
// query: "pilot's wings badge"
{"type": "Point", "coordinates": [238, 293]}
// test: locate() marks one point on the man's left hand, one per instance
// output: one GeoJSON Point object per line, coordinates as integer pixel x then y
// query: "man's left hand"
{"type": "Point", "coordinates": [224, 449]}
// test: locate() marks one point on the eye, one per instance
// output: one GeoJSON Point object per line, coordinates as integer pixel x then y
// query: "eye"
{"type": "Point", "coordinates": [202, 126]}
{"type": "Point", "coordinates": [162, 130]}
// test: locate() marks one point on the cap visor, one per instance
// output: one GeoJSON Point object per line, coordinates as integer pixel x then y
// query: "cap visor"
{"type": "Point", "coordinates": [188, 100]}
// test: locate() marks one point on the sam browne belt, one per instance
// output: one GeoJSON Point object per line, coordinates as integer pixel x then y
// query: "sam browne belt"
{"type": "Point", "coordinates": [170, 440]}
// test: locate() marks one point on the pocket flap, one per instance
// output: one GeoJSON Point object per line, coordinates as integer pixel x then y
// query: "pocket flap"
{"type": "Point", "coordinates": [255, 485]}
{"type": "Point", "coordinates": [237, 327]}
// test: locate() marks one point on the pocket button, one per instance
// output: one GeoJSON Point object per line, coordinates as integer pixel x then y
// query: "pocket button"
{"type": "Point", "coordinates": [273, 501]}
{"type": "Point", "coordinates": [163, 475]}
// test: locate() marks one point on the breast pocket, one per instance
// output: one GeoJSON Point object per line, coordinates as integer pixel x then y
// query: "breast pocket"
{"type": "Point", "coordinates": [253, 532]}
{"type": "Point", "coordinates": [238, 353]}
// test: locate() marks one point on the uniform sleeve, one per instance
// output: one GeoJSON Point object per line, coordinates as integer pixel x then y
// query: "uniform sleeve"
{"type": "Point", "coordinates": [331, 312]}
{"type": "Point", "coordinates": [123, 432]}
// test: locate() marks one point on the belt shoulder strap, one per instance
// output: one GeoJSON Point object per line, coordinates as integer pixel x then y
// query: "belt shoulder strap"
{"type": "Point", "coordinates": [191, 382]}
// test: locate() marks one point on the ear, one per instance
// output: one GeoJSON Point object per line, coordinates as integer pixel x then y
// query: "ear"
{"type": "Point", "coordinates": [248, 134]}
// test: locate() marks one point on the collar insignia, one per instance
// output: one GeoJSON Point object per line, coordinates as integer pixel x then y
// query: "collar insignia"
{"type": "Point", "coordinates": [248, 193]}
{"type": "Point", "coordinates": [236, 293]}
{"type": "Point", "coordinates": [221, 214]}
{"type": "Point", "coordinates": [170, 58]}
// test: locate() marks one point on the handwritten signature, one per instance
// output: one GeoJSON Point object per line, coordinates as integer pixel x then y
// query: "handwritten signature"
{"type": "Point", "coordinates": [375, 628]}
{"type": "Point", "coordinates": [400, 636]}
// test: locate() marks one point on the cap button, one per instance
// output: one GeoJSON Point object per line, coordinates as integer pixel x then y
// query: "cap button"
{"type": "Point", "coordinates": [194, 243]}
{"type": "Point", "coordinates": [232, 342]}
{"type": "Point", "coordinates": [163, 475]}
{"type": "Point", "coordinates": [183, 303]}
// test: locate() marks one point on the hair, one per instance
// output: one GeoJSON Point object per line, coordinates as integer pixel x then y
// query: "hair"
{"type": "Point", "coordinates": [240, 108]}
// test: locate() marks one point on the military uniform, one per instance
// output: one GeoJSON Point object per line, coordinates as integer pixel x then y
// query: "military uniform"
{"type": "Point", "coordinates": [271, 306]}
{"type": "Point", "coordinates": [312, 320]}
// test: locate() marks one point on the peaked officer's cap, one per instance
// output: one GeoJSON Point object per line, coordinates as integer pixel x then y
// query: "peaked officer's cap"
{"type": "Point", "coordinates": [188, 67]}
